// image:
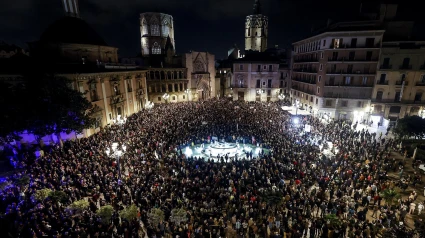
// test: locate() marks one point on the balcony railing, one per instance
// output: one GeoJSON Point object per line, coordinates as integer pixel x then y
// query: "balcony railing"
{"type": "Point", "coordinates": [304, 60]}
{"type": "Point", "coordinates": [382, 82]}
{"type": "Point", "coordinates": [343, 95]}
{"type": "Point", "coordinates": [306, 70]}
{"type": "Point", "coordinates": [401, 83]}
{"type": "Point", "coordinates": [238, 86]}
{"type": "Point", "coordinates": [355, 72]}
{"type": "Point", "coordinates": [349, 46]}
{"type": "Point", "coordinates": [398, 101]}
{"type": "Point", "coordinates": [312, 81]}
{"type": "Point", "coordinates": [386, 66]}
{"type": "Point", "coordinates": [405, 66]}
{"type": "Point", "coordinates": [348, 85]}
{"type": "Point", "coordinates": [345, 59]}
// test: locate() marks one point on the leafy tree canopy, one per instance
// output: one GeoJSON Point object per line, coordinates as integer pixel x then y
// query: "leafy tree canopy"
{"type": "Point", "coordinates": [411, 126]}
{"type": "Point", "coordinates": [43, 104]}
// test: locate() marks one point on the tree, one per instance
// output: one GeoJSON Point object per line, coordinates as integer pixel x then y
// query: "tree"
{"type": "Point", "coordinates": [79, 206]}
{"type": "Point", "coordinates": [333, 221]}
{"type": "Point", "coordinates": [13, 118]}
{"type": "Point", "coordinates": [105, 213]}
{"type": "Point", "coordinates": [56, 107]}
{"type": "Point", "coordinates": [58, 196]}
{"type": "Point", "coordinates": [155, 216]}
{"type": "Point", "coordinates": [390, 195]}
{"type": "Point", "coordinates": [178, 215]}
{"type": "Point", "coordinates": [129, 213]}
{"type": "Point", "coordinates": [22, 181]}
{"type": "Point", "coordinates": [43, 104]}
{"type": "Point", "coordinates": [411, 126]}
{"type": "Point", "coordinates": [42, 194]}
{"type": "Point", "coordinates": [272, 197]}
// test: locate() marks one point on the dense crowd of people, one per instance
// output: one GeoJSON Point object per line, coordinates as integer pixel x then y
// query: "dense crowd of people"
{"type": "Point", "coordinates": [320, 183]}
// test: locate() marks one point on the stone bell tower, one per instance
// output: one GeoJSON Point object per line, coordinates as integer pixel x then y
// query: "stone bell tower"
{"type": "Point", "coordinates": [71, 8]}
{"type": "Point", "coordinates": [256, 30]}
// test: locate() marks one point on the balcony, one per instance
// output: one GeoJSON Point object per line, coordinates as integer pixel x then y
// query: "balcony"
{"type": "Point", "coordinates": [345, 95]}
{"type": "Point", "coordinates": [385, 66]}
{"type": "Point", "coordinates": [312, 81]}
{"type": "Point", "coordinates": [349, 46]}
{"type": "Point", "coordinates": [348, 85]}
{"type": "Point", "coordinates": [306, 60]}
{"type": "Point", "coordinates": [382, 82]}
{"type": "Point", "coordinates": [350, 72]}
{"type": "Point", "coordinates": [308, 91]}
{"type": "Point", "coordinates": [401, 83]}
{"type": "Point", "coordinates": [405, 67]}
{"type": "Point", "coordinates": [306, 70]}
{"type": "Point", "coordinates": [345, 59]}
{"type": "Point", "coordinates": [117, 99]}
{"type": "Point", "coordinates": [396, 101]}
{"type": "Point", "coordinates": [238, 86]}
{"type": "Point", "coordinates": [420, 83]}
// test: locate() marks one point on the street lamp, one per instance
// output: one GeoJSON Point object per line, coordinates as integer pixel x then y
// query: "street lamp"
{"type": "Point", "coordinates": [187, 91]}
{"type": "Point", "coordinates": [281, 96]}
{"type": "Point", "coordinates": [115, 153]}
{"type": "Point", "coordinates": [149, 105]}
{"type": "Point", "coordinates": [296, 104]}
{"type": "Point", "coordinates": [166, 96]}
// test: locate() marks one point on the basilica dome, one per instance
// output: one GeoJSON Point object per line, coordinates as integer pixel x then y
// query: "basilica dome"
{"type": "Point", "coordinates": [72, 30]}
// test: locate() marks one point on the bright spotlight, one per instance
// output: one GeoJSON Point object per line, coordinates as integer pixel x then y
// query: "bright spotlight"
{"type": "Point", "coordinates": [188, 151]}
{"type": "Point", "coordinates": [296, 121]}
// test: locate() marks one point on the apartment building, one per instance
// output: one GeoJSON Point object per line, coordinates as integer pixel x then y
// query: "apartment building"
{"type": "Point", "coordinates": [333, 73]}
{"type": "Point", "coordinates": [257, 77]}
{"type": "Point", "coordinates": [400, 87]}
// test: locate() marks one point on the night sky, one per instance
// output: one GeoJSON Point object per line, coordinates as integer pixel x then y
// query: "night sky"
{"type": "Point", "coordinates": [201, 25]}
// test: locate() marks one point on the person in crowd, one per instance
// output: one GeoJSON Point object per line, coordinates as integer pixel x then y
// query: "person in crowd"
{"type": "Point", "coordinates": [290, 189]}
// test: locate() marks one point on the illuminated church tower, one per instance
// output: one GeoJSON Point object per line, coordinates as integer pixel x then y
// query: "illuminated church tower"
{"type": "Point", "coordinates": [71, 8]}
{"type": "Point", "coordinates": [256, 30]}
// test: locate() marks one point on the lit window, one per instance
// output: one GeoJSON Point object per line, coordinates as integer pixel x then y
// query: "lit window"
{"type": "Point", "coordinates": [165, 28]}
{"type": "Point", "coordinates": [155, 30]}
{"type": "Point", "coordinates": [156, 49]}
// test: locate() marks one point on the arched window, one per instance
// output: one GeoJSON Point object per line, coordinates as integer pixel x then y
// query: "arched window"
{"type": "Point", "coordinates": [379, 95]}
{"type": "Point", "coordinates": [154, 28]}
{"type": "Point", "coordinates": [156, 49]}
{"type": "Point", "coordinates": [165, 28]}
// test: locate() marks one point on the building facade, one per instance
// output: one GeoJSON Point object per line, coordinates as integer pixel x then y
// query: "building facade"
{"type": "Point", "coordinates": [155, 29]}
{"type": "Point", "coordinates": [333, 73]}
{"type": "Point", "coordinates": [114, 95]}
{"type": "Point", "coordinates": [170, 81]}
{"type": "Point", "coordinates": [256, 80]}
{"type": "Point", "coordinates": [400, 86]}
{"type": "Point", "coordinates": [256, 30]}
{"type": "Point", "coordinates": [201, 75]}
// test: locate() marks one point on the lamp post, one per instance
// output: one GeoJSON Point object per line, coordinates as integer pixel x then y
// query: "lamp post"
{"type": "Point", "coordinates": [296, 104]}
{"type": "Point", "coordinates": [166, 96]}
{"type": "Point", "coordinates": [281, 96]}
{"type": "Point", "coordinates": [115, 153]}
{"type": "Point", "coordinates": [187, 91]}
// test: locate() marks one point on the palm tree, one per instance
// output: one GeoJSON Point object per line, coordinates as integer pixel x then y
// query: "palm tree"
{"type": "Point", "coordinates": [390, 195]}
{"type": "Point", "coordinates": [105, 213]}
{"type": "Point", "coordinates": [129, 213]}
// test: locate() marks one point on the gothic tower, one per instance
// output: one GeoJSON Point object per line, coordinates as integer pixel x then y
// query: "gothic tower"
{"type": "Point", "coordinates": [256, 30]}
{"type": "Point", "coordinates": [71, 8]}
